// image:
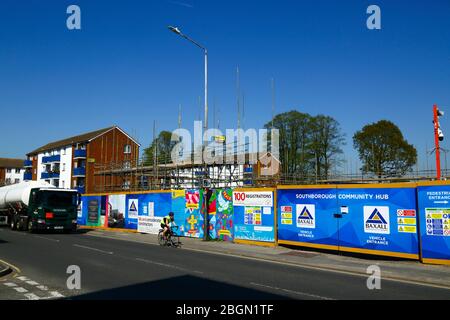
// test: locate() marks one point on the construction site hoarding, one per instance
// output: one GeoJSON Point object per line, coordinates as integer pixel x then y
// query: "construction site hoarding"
{"type": "Point", "coordinates": [254, 215]}
{"type": "Point", "coordinates": [370, 219]}
{"type": "Point", "coordinates": [434, 212]}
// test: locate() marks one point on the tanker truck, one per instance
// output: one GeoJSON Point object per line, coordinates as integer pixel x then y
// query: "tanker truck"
{"type": "Point", "coordinates": [34, 206]}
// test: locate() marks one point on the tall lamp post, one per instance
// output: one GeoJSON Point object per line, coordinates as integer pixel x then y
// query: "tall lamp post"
{"type": "Point", "coordinates": [177, 31]}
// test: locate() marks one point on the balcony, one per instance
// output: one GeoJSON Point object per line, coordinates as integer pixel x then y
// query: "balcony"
{"type": "Point", "coordinates": [80, 154]}
{"type": "Point", "coordinates": [81, 190]}
{"type": "Point", "coordinates": [79, 172]}
{"type": "Point", "coordinates": [51, 159]}
{"type": "Point", "coordinates": [50, 175]}
{"type": "Point", "coordinates": [27, 176]}
{"type": "Point", "coordinates": [28, 163]}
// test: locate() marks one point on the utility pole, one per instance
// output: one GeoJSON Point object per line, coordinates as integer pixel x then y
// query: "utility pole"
{"type": "Point", "coordinates": [438, 136]}
{"type": "Point", "coordinates": [238, 97]}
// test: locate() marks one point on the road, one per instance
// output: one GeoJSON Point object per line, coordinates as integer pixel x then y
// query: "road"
{"type": "Point", "coordinates": [119, 269]}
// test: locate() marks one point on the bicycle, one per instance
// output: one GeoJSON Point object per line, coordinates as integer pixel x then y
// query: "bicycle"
{"type": "Point", "coordinates": [172, 239]}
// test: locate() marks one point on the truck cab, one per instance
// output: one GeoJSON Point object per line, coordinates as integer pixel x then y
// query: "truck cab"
{"type": "Point", "coordinates": [48, 209]}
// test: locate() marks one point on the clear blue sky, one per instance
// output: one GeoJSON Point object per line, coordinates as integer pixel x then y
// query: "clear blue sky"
{"type": "Point", "coordinates": [124, 67]}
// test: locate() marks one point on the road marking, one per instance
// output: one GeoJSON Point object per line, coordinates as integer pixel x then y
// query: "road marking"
{"type": "Point", "coordinates": [168, 266]}
{"type": "Point", "coordinates": [93, 249]}
{"type": "Point", "coordinates": [10, 284]}
{"type": "Point", "coordinates": [32, 283]}
{"type": "Point", "coordinates": [23, 278]}
{"type": "Point", "coordinates": [56, 294]}
{"type": "Point", "coordinates": [50, 239]}
{"type": "Point", "coordinates": [43, 288]}
{"type": "Point", "coordinates": [31, 296]}
{"type": "Point", "coordinates": [291, 291]}
{"type": "Point", "coordinates": [285, 263]}
{"type": "Point", "coordinates": [11, 266]}
{"type": "Point", "coordinates": [20, 289]}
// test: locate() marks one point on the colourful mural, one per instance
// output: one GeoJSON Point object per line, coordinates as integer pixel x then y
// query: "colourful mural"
{"type": "Point", "coordinates": [193, 223]}
{"type": "Point", "coordinates": [224, 214]}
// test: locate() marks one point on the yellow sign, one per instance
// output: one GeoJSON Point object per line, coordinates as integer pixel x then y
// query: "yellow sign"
{"type": "Point", "coordinates": [407, 221]}
{"type": "Point", "coordinates": [91, 160]}
{"type": "Point", "coordinates": [436, 215]}
{"type": "Point", "coordinates": [286, 221]}
{"type": "Point", "coordinates": [407, 229]}
{"type": "Point", "coordinates": [286, 215]}
{"type": "Point", "coordinates": [219, 139]}
{"type": "Point", "coordinates": [178, 194]}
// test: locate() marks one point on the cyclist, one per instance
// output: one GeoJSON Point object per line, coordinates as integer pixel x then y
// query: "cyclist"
{"type": "Point", "coordinates": [166, 222]}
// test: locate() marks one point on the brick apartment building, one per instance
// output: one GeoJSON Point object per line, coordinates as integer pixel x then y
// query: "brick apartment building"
{"type": "Point", "coordinates": [70, 163]}
{"type": "Point", "coordinates": [11, 171]}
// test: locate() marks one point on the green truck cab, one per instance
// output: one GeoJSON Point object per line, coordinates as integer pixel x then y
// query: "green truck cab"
{"type": "Point", "coordinates": [48, 209]}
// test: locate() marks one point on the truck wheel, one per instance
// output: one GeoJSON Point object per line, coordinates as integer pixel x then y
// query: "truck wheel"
{"type": "Point", "coordinates": [30, 226]}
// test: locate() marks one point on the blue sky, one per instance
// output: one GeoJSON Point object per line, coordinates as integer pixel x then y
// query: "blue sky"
{"type": "Point", "coordinates": [124, 67]}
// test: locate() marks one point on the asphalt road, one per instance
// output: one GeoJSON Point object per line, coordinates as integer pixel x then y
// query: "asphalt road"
{"type": "Point", "coordinates": [118, 269]}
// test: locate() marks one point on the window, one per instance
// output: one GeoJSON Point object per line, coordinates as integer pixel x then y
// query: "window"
{"type": "Point", "coordinates": [64, 151]}
{"type": "Point", "coordinates": [63, 184]}
{"type": "Point", "coordinates": [127, 165]}
{"type": "Point", "coordinates": [8, 181]}
{"type": "Point", "coordinates": [17, 181]}
{"type": "Point", "coordinates": [63, 167]}
{"type": "Point", "coordinates": [8, 170]}
{"type": "Point", "coordinates": [127, 149]}
{"type": "Point", "coordinates": [17, 170]}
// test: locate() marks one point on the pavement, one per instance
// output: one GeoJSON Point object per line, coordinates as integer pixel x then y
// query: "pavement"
{"type": "Point", "coordinates": [116, 265]}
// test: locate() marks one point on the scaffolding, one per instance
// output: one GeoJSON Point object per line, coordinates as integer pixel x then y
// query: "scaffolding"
{"type": "Point", "coordinates": [139, 176]}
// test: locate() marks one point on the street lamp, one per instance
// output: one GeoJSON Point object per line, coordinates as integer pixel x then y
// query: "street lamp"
{"type": "Point", "coordinates": [177, 31]}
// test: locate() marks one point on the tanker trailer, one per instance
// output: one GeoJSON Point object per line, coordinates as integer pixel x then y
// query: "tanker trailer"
{"type": "Point", "coordinates": [34, 206]}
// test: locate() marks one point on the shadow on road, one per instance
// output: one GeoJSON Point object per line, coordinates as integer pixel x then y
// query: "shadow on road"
{"type": "Point", "coordinates": [181, 288]}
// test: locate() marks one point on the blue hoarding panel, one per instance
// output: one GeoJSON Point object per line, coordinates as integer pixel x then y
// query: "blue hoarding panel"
{"type": "Point", "coordinates": [381, 219]}
{"type": "Point", "coordinates": [151, 204]}
{"type": "Point", "coordinates": [306, 215]}
{"type": "Point", "coordinates": [366, 220]}
{"type": "Point", "coordinates": [434, 209]}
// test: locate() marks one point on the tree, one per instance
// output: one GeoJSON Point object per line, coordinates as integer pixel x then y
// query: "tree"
{"type": "Point", "coordinates": [326, 142]}
{"type": "Point", "coordinates": [383, 150]}
{"type": "Point", "coordinates": [307, 141]}
{"type": "Point", "coordinates": [163, 147]}
{"type": "Point", "coordinates": [294, 128]}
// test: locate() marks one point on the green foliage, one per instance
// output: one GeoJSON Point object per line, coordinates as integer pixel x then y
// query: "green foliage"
{"type": "Point", "coordinates": [383, 150]}
{"type": "Point", "coordinates": [309, 145]}
{"type": "Point", "coordinates": [163, 146]}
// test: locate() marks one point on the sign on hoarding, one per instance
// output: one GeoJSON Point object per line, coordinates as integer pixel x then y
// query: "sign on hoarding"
{"type": "Point", "coordinates": [254, 216]}
{"type": "Point", "coordinates": [149, 225]}
{"type": "Point", "coordinates": [252, 199]}
{"type": "Point", "coordinates": [434, 213]}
